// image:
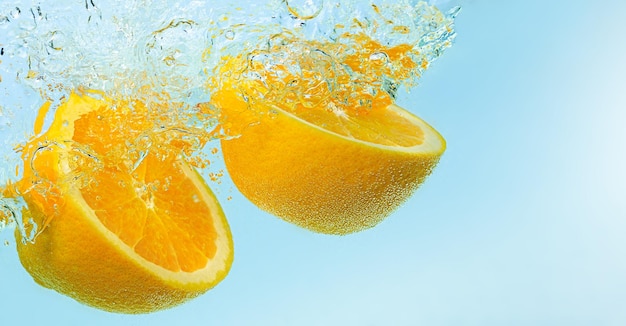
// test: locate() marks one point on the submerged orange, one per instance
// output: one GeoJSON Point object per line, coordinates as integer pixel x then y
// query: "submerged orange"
{"type": "Point", "coordinates": [123, 241]}
{"type": "Point", "coordinates": [325, 169]}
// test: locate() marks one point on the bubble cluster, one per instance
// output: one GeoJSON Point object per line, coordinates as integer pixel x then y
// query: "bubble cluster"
{"type": "Point", "coordinates": [345, 57]}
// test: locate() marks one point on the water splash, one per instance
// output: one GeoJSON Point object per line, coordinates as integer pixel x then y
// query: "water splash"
{"type": "Point", "coordinates": [161, 59]}
{"type": "Point", "coordinates": [345, 57]}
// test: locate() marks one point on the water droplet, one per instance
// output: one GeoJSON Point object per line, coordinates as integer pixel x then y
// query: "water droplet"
{"type": "Point", "coordinates": [304, 9]}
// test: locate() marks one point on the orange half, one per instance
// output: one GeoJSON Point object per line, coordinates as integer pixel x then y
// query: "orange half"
{"type": "Point", "coordinates": [124, 242]}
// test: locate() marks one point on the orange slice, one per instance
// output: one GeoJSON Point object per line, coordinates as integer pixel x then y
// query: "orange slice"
{"type": "Point", "coordinates": [118, 241]}
{"type": "Point", "coordinates": [321, 168]}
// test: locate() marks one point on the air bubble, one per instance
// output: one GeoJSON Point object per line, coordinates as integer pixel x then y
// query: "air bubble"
{"type": "Point", "coordinates": [169, 60]}
{"type": "Point", "coordinates": [304, 9]}
{"type": "Point", "coordinates": [16, 13]}
{"type": "Point", "coordinates": [379, 57]}
{"type": "Point", "coordinates": [229, 34]}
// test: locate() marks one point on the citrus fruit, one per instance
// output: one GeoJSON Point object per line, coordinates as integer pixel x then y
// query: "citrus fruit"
{"type": "Point", "coordinates": [115, 240]}
{"type": "Point", "coordinates": [324, 169]}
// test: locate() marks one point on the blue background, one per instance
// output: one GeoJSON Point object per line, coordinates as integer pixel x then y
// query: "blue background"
{"type": "Point", "coordinates": [522, 223]}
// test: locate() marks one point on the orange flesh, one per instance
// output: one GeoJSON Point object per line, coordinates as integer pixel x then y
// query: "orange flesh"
{"type": "Point", "coordinates": [382, 126]}
{"type": "Point", "coordinates": [160, 222]}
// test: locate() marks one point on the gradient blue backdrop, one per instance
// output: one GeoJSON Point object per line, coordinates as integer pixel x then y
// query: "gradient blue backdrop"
{"type": "Point", "coordinates": [522, 223]}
